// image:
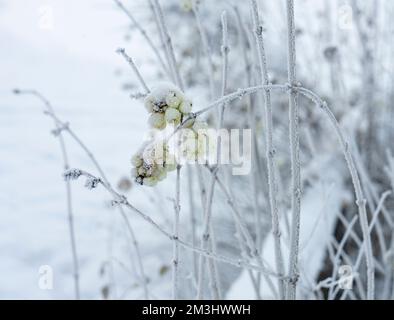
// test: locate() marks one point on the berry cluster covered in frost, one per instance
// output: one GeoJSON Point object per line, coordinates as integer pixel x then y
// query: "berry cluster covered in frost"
{"type": "Point", "coordinates": [166, 104]}
{"type": "Point", "coordinates": [152, 163]}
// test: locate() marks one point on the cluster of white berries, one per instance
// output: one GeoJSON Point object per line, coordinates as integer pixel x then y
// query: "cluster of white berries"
{"type": "Point", "coordinates": [167, 105]}
{"type": "Point", "coordinates": [152, 163]}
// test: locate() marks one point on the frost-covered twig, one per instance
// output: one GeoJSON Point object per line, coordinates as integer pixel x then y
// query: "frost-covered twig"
{"type": "Point", "coordinates": [167, 43]}
{"type": "Point", "coordinates": [193, 220]}
{"type": "Point", "coordinates": [119, 199]}
{"type": "Point", "coordinates": [372, 200]}
{"type": "Point", "coordinates": [270, 149]}
{"type": "Point", "coordinates": [130, 61]}
{"type": "Point", "coordinates": [144, 34]}
{"type": "Point", "coordinates": [244, 232]}
{"type": "Point", "coordinates": [206, 47]}
{"type": "Point", "coordinates": [208, 206]}
{"type": "Point", "coordinates": [205, 239]}
{"type": "Point", "coordinates": [370, 228]}
{"type": "Point", "coordinates": [294, 154]}
{"type": "Point", "coordinates": [360, 200]}
{"type": "Point", "coordinates": [368, 183]}
{"type": "Point", "coordinates": [337, 262]}
{"type": "Point", "coordinates": [242, 33]}
{"type": "Point", "coordinates": [178, 79]}
{"type": "Point", "coordinates": [63, 126]}
{"type": "Point", "coordinates": [175, 270]}
{"type": "Point", "coordinates": [239, 94]}
{"type": "Point", "coordinates": [162, 40]}
{"type": "Point", "coordinates": [368, 77]}
{"type": "Point", "coordinates": [59, 134]}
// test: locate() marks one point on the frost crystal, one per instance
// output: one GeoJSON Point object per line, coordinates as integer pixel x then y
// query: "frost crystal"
{"type": "Point", "coordinates": [92, 183]}
{"type": "Point", "coordinates": [72, 174]}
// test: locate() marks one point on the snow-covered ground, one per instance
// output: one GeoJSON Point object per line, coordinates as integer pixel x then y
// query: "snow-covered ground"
{"type": "Point", "coordinates": [66, 50]}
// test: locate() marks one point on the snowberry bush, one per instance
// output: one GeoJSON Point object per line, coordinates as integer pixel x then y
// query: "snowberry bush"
{"type": "Point", "coordinates": [315, 210]}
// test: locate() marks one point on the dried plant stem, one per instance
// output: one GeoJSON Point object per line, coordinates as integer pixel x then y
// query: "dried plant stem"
{"type": "Point", "coordinates": [349, 261]}
{"type": "Point", "coordinates": [360, 200]}
{"type": "Point", "coordinates": [175, 272]}
{"type": "Point", "coordinates": [270, 149]}
{"type": "Point", "coordinates": [244, 232]}
{"type": "Point", "coordinates": [368, 78]}
{"type": "Point", "coordinates": [372, 200]}
{"type": "Point", "coordinates": [294, 155]}
{"type": "Point", "coordinates": [213, 271]}
{"type": "Point", "coordinates": [167, 43]}
{"type": "Point", "coordinates": [370, 186]}
{"type": "Point", "coordinates": [130, 61]}
{"type": "Point", "coordinates": [255, 151]}
{"type": "Point", "coordinates": [204, 245]}
{"type": "Point", "coordinates": [193, 221]}
{"type": "Point", "coordinates": [239, 94]}
{"type": "Point", "coordinates": [178, 79]}
{"type": "Point", "coordinates": [119, 199]}
{"type": "Point", "coordinates": [374, 219]}
{"type": "Point", "coordinates": [340, 249]}
{"type": "Point", "coordinates": [243, 247]}
{"type": "Point", "coordinates": [71, 222]}
{"type": "Point", "coordinates": [206, 47]}
{"type": "Point", "coordinates": [162, 41]}
{"type": "Point", "coordinates": [63, 126]}
{"type": "Point", "coordinates": [208, 206]}
{"type": "Point", "coordinates": [59, 134]}
{"type": "Point", "coordinates": [144, 34]}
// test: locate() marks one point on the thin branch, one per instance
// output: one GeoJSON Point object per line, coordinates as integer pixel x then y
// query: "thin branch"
{"type": "Point", "coordinates": [119, 199]}
{"type": "Point", "coordinates": [208, 206]}
{"type": "Point", "coordinates": [206, 47]}
{"type": "Point", "coordinates": [167, 43]}
{"type": "Point", "coordinates": [360, 200]}
{"type": "Point", "coordinates": [59, 134]}
{"type": "Point", "coordinates": [65, 126]}
{"type": "Point", "coordinates": [130, 61]}
{"type": "Point", "coordinates": [270, 149]}
{"type": "Point", "coordinates": [144, 34]}
{"type": "Point", "coordinates": [294, 154]}
{"type": "Point", "coordinates": [175, 270]}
